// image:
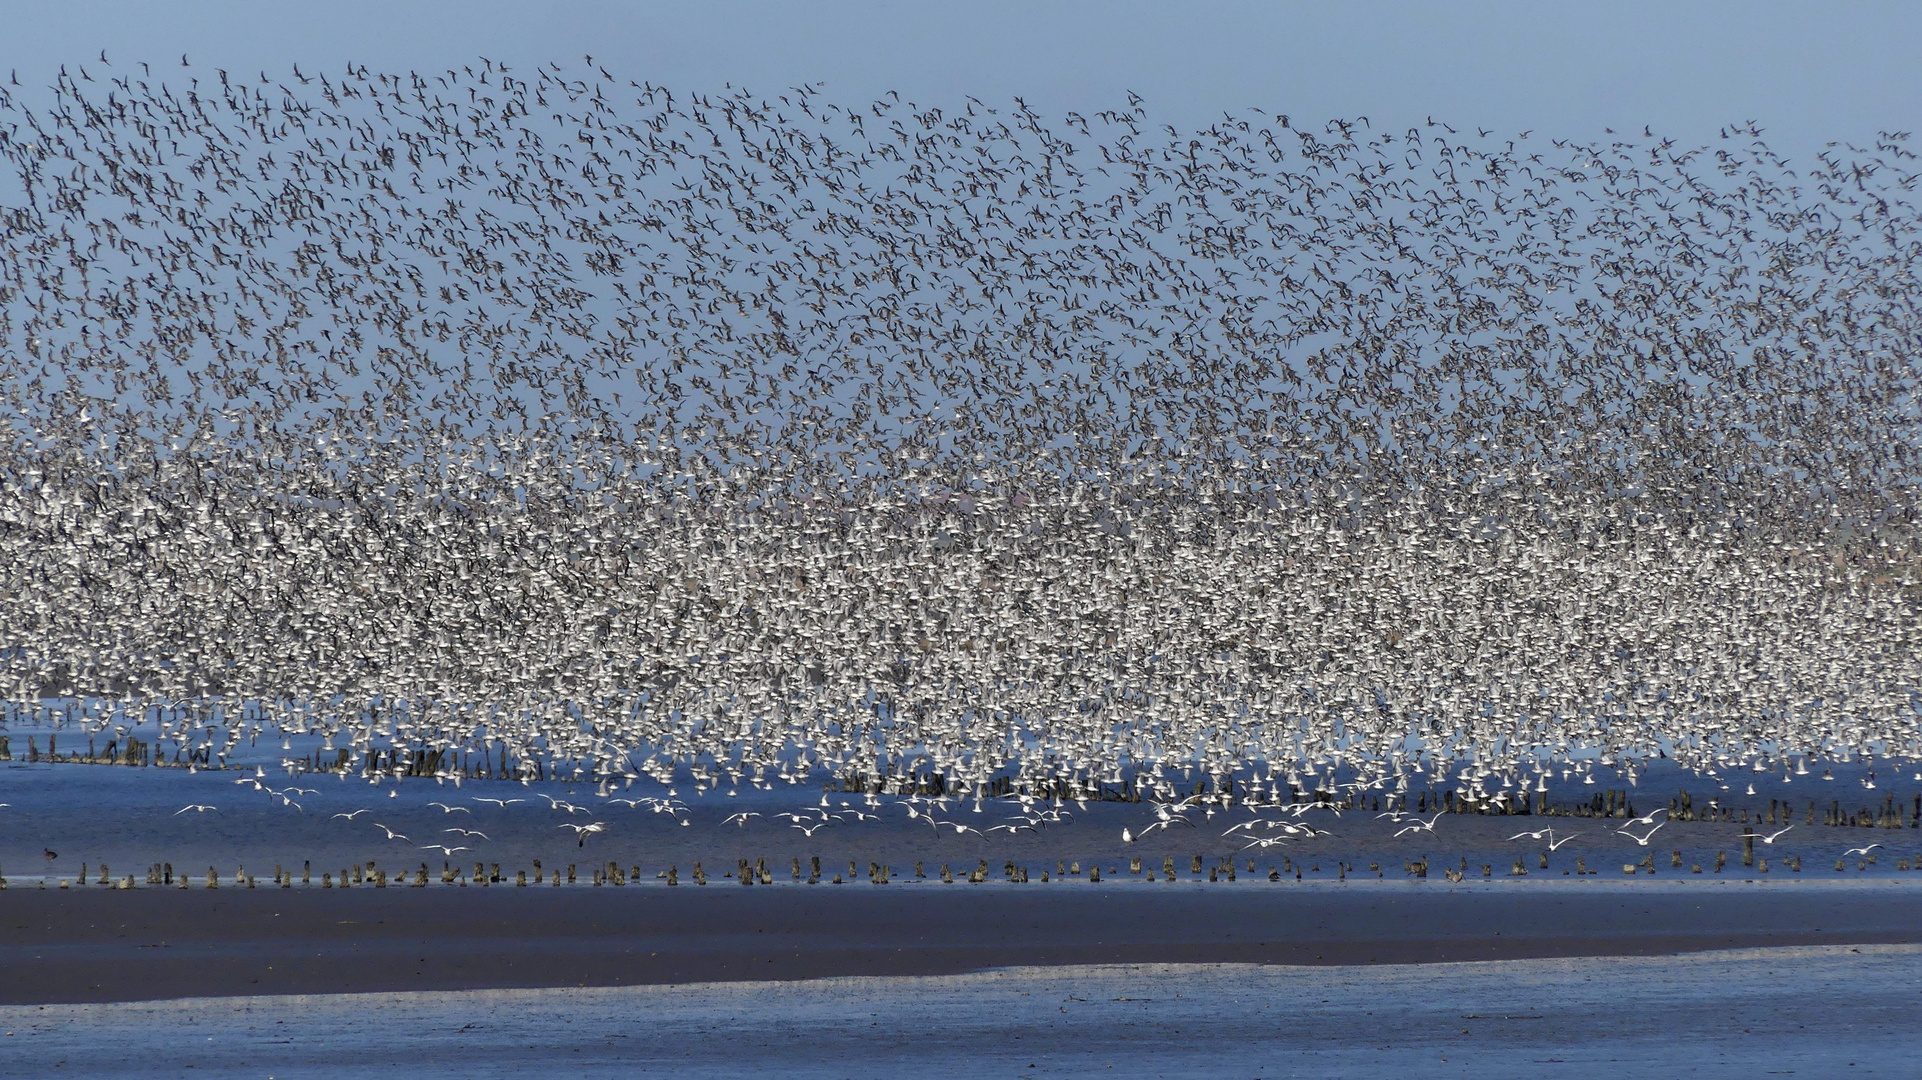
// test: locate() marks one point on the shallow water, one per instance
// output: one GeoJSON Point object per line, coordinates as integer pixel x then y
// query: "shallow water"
{"type": "Point", "coordinates": [1817, 1011]}
{"type": "Point", "coordinates": [130, 818]}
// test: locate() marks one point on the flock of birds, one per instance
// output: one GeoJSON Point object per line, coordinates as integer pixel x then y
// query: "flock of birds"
{"type": "Point", "coordinates": [587, 429]}
{"type": "Point", "coordinates": [1268, 824]}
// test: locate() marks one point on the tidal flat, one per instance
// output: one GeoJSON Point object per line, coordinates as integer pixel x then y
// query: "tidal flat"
{"type": "Point", "coordinates": [1818, 1011]}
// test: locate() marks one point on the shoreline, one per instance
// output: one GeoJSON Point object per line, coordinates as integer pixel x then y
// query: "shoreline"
{"type": "Point", "coordinates": [85, 946]}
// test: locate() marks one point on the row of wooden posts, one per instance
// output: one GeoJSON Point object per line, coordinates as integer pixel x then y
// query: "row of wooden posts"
{"type": "Point", "coordinates": [370, 874]}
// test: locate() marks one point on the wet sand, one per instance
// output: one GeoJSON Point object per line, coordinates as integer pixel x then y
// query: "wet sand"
{"type": "Point", "coordinates": [106, 945]}
{"type": "Point", "coordinates": [1808, 1012]}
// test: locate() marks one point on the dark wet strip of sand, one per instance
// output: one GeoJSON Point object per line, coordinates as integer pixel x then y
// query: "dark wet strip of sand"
{"type": "Point", "coordinates": [73, 946]}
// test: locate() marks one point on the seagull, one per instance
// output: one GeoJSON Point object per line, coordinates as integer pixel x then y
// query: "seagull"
{"type": "Point", "coordinates": [469, 832]}
{"type": "Point", "coordinates": [502, 803]}
{"type": "Point", "coordinates": [1550, 833]}
{"type": "Point", "coordinates": [442, 848]}
{"type": "Point", "coordinates": [740, 819]}
{"type": "Point", "coordinates": [1770, 838]}
{"type": "Point", "coordinates": [351, 816]}
{"type": "Point", "coordinates": [1642, 840]}
{"type": "Point", "coordinates": [201, 807]}
{"type": "Point", "coordinates": [807, 830]}
{"type": "Point", "coordinates": [391, 834]}
{"type": "Point", "coordinates": [582, 832]}
{"type": "Point", "coordinates": [1266, 841]}
{"type": "Point", "coordinates": [1648, 818]}
{"type": "Point", "coordinates": [1422, 826]}
{"type": "Point", "coordinates": [446, 809]}
{"type": "Point", "coordinates": [1860, 850]}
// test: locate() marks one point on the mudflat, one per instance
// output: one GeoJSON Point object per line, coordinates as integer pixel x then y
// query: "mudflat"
{"type": "Point", "coordinates": [114, 945]}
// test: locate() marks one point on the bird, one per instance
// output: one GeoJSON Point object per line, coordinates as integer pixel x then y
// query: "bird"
{"type": "Point", "coordinates": [740, 819]}
{"type": "Point", "coordinates": [446, 809]}
{"type": "Point", "coordinates": [1553, 843]}
{"type": "Point", "coordinates": [468, 832]}
{"type": "Point", "coordinates": [196, 807]}
{"type": "Point", "coordinates": [582, 832]}
{"type": "Point", "coordinates": [502, 803]}
{"type": "Point", "coordinates": [1770, 838]}
{"type": "Point", "coordinates": [1266, 841]}
{"type": "Point", "coordinates": [442, 848]}
{"type": "Point", "coordinates": [1860, 850]}
{"type": "Point", "coordinates": [1420, 826]}
{"type": "Point", "coordinates": [1644, 838]}
{"type": "Point", "coordinates": [391, 834]}
{"type": "Point", "coordinates": [350, 816]}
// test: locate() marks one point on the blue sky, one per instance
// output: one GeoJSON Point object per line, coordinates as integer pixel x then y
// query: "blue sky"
{"type": "Point", "coordinates": [1808, 72]}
